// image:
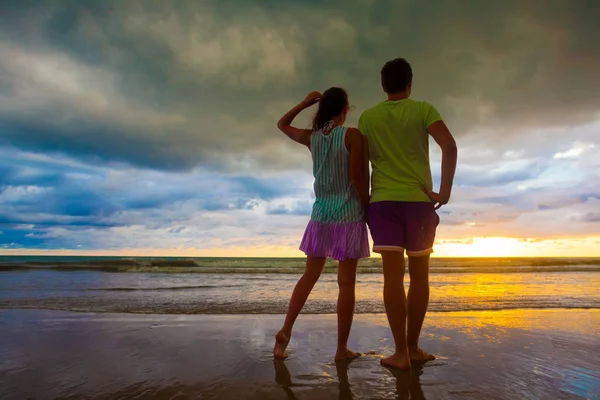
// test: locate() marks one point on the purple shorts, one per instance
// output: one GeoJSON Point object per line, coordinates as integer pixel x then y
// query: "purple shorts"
{"type": "Point", "coordinates": [399, 226]}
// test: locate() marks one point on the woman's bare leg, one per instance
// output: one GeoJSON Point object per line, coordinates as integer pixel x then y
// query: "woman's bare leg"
{"type": "Point", "coordinates": [345, 306]}
{"type": "Point", "coordinates": [312, 272]}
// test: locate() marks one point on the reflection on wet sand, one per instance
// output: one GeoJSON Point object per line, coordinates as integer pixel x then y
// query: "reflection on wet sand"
{"type": "Point", "coordinates": [502, 355]}
{"type": "Point", "coordinates": [408, 383]}
{"type": "Point", "coordinates": [141, 390]}
{"type": "Point", "coordinates": [283, 377]}
{"type": "Point", "coordinates": [344, 382]}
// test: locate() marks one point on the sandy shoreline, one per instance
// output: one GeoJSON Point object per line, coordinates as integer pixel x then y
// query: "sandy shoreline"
{"type": "Point", "coordinates": [482, 355]}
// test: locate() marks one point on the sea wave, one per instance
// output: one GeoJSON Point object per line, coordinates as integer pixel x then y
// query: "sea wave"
{"type": "Point", "coordinates": [151, 289]}
{"type": "Point", "coordinates": [277, 307]}
{"type": "Point", "coordinates": [298, 270]}
{"type": "Point", "coordinates": [287, 265]}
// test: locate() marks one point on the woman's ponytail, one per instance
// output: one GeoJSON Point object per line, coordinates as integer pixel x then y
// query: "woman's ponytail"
{"type": "Point", "coordinates": [333, 101]}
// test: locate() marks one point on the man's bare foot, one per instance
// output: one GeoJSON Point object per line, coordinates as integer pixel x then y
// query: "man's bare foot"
{"type": "Point", "coordinates": [282, 339]}
{"type": "Point", "coordinates": [346, 354]}
{"type": "Point", "coordinates": [418, 354]}
{"type": "Point", "coordinates": [398, 361]}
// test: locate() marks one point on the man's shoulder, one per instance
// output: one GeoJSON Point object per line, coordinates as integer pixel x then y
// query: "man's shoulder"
{"type": "Point", "coordinates": [424, 110]}
{"type": "Point", "coordinates": [422, 104]}
{"type": "Point", "coordinates": [372, 111]}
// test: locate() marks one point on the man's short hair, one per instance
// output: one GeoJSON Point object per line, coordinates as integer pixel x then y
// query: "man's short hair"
{"type": "Point", "coordinates": [396, 75]}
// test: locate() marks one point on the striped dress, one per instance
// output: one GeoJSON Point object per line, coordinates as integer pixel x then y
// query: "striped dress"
{"type": "Point", "coordinates": [337, 228]}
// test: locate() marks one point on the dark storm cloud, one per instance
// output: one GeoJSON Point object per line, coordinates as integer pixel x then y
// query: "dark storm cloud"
{"type": "Point", "coordinates": [96, 142]}
{"type": "Point", "coordinates": [171, 85]}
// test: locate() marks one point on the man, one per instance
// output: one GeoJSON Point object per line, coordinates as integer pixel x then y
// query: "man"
{"type": "Point", "coordinates": [402, 212]}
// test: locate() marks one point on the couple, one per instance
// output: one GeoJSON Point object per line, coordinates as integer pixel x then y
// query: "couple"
{"type": "Point", "coordinates": [394, 137]}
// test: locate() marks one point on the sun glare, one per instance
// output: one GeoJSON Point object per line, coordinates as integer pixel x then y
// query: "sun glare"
{"type": "Point", "coordinates": [513, 247]}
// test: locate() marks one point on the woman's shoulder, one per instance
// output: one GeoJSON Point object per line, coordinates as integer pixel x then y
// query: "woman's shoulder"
{"type": "Point", "coordinates": [351, 130]}
{"type": "Point", "coordinates": [352, 137]}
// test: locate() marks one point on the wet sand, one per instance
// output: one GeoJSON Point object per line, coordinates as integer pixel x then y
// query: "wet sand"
{"type": "Point", "coordinates": [516, 354]}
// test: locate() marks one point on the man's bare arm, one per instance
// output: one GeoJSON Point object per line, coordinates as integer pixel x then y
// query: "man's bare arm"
{"type": "Point", "coordinates": [442, 136]}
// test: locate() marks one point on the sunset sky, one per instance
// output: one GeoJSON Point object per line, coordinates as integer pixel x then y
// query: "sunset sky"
{"type": "Point", "coordinates": [149, 128]}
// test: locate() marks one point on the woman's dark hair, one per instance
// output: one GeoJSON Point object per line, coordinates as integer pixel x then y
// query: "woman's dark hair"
{"type": "Point", "coordinates": [332, 103]}
{"type": "Point", "coordinates": [396, 76]}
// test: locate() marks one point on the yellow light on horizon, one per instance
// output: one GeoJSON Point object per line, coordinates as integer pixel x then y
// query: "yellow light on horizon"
{"type": "Point", "coordinates": [514, 247]}
{"type": "Point", "coordinates": [462, 247]}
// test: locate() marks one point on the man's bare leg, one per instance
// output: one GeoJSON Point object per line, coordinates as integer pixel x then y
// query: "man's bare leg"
{"type": "Point", "coordinates": [395, 307]}
{"type": "Point", "coordinates": [312, 272]}
{"type": "Point", "coordinates": [345, 307]}
{"type": "Point", "coordinates": [418, 300]}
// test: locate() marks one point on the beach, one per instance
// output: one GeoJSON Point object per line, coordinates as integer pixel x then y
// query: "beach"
{"type": "Point", "coordinates": [102, 328]}
{"type": "Point", "coordinates": [513, 354]}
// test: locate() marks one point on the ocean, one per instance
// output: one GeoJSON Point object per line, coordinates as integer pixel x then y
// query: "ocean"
{"type": "Point", "coordinates": [170, 285]}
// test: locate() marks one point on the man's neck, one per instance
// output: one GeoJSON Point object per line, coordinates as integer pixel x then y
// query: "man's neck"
{"type": "Point", "coordinates": [397, 96]}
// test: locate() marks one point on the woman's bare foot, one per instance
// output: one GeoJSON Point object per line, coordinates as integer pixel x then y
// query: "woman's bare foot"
{"type": "Point", "coordinates": [418, 354]}
{"type": "Point", "coordinates": [282, 339]}
{"type": "Point", "coordinates": [398, 361]}
{"type": "Point", "coordinates": [346, 354]}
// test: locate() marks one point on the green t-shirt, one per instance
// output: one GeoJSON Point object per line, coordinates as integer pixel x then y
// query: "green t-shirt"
{"type": "Point", "coordinates": [399, 149]}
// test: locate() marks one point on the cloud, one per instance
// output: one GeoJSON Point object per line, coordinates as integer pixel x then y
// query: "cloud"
{"type": "Point", "coordinates": [591, 217]}
{"type": "Point", "coordinates": [302, 208]}
{"type": "Point", "coordinates": [180, 84]}
{"type": "Point", "coordinates": [152, 125]}
{"type": "Point", "coordinates": [94, 201]}
{"type": "Point", "coordinates": [574, 152]}
{"type": "Point", "coordinates": [119, 207]}
{"type": "Point", "coordinates": [504, 174]}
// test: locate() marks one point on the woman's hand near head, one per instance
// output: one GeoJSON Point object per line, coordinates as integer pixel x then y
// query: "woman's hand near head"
{"type": "Point", "coordinates": [311, 98]}
{"type": "Point", "coordinates": [301, 136]}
